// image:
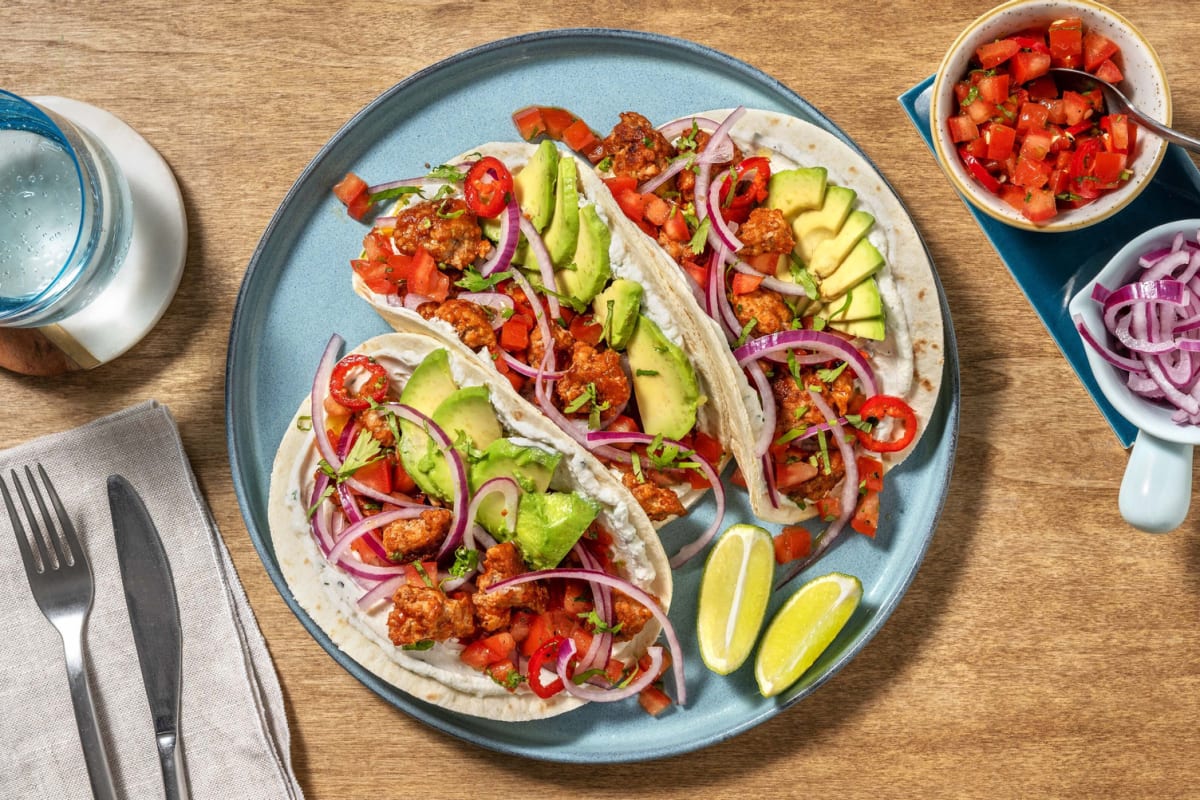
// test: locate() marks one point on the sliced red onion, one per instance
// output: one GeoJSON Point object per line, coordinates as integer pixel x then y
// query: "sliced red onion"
{"type": "Point", "coordinates": [600, 650]}
{"type": "Point", "coordinates": [768, 468]}
{"type": "Point", "coordinates": [1107, 353]}
{"type": "Point", "coordinates": [537, 248]}
{"type": "Point", "coordinates": [690, 550]}
{"type": "Point", "coordinates": [510, 234]}
{"type": "Point", "coordinates": [421, 181]}
{"type": "Point", "coordinates": [539, 315]}
{"type": "Point", "coordinates": [717, 297]}
{"type": "Point", "coordinates": [521, 368]}
{"type": "Point", "coordinates": [368, 524]}
{"type": "Point", "coordinates": [719, 231]}
{"type": "Point", "coordinates": [320, 388]}
{"type": "Point", "coordinates": [460, 489]}
{"type": "Point", "coordinates": [819, 341]}
{"type": "Point", "coordinates": [622, 585]}
{"type": "Point", "coordinates": [500, 304]}
{"type": "Point", "coordinates": [382, 590]}
{"type": "Point", "coordinates": [596, 694]}
{"type": "Point", "coordinates": [319, 518]}
{"type": "Point", "coordinates": [683, 127]}
{"type": "Point", "coordinates": [412, 301]}
{"type": "Point", "coordinates": [508, 488]}
{"type": "Point", "coordinates": [677, 165]}
{"type": "Point", "coordinates": [770, 418]}
{"type": "Point", "coordinates": [720, 146]}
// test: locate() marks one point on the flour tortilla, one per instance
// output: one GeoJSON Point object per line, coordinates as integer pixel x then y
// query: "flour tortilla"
{"type": "Point", "coordinates": [716, 414]}
{"type": "Point", "coordinates": [907, 364]}
{"type": "Point", "coordinates": [437, 675]}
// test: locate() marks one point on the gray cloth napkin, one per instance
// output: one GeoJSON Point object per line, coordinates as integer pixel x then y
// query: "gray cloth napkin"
{"type": "Point", "coordinates": [233, 726]}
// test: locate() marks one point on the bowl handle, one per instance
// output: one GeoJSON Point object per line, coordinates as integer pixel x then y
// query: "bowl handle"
{"type": "Point", "coordinates": [1157, 488]}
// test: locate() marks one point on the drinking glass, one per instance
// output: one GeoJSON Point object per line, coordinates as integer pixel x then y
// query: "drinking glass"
{"type": "Point", "coordinates": [65, 215]}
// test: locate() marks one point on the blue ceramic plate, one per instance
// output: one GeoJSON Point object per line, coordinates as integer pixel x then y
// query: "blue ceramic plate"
{"type": "Point", "coordinates": [1051, 267]}
{"type": "Point", "coordinates": [297, 292]}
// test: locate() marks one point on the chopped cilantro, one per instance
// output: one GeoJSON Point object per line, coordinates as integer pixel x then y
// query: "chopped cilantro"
{"type": "Point", "coordinates": [424, 644]}
{"type": "Point", "coordinates": [599, 624]}
{"type": "Point", "coordinates": [304, 423]}
{"type": "Point", "coordinates": [420, 568]}
{"type": "Point", "coordinates": [465, 562]}
{"type": "Point", "coordinates": [446, 172]}
{"type": "Point", "coordinates": [700, 238]}
{"type": "Point", "coordinates": [831, 375]}
{"type": "Point", "coordinates": [744, 336]}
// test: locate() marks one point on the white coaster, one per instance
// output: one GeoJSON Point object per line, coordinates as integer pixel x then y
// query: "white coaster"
{"type": "Point", "coordinates": [133, 303]}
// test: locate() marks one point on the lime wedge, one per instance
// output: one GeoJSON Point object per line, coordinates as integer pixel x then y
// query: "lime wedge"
{"type": "Point", "coordinates": [806, 624]}
{"type": "Point", "coordinates": [734, 590]}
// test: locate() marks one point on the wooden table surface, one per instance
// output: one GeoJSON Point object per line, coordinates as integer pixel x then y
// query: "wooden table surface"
{"type": "Point", "coordinates": [1045, 649]}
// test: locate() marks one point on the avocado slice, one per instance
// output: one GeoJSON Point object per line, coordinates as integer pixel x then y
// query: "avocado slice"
{"type": "Point", "coordinates": [872, 328]}
{"type": "Point", "coordinates": [862, 262]}
{"type": "Point", "coordinates": [563, 232]}
{"type": "Point", "coordinates": [531, 467]}
{"type": "Point", "coordinates": [467, 417]}
{"type": "Point", "coordinates": [623, 298]}
{"type": "Point", "coordinates": [429, 385]}
{"type": "Point", "coordinates": [548, 525]}
{"type": "Point", "coordinates": [534, 185]}
{"type": "Point", "coordinates": [813, 227]}
{"type": "Point", "coordinates": [664, 382]}
{"type": "Point", "coordinates": [830, 253]}
{"type": "Point", "coordinates": [861, 302]}
{"type": "Point", "coordinates": [591, 268]}
{"type": "Point", "coordinates": [796, 190]}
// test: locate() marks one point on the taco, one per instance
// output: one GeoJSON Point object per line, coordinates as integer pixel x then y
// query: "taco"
{"type": "Point", "coordinates": [514, 245]}
{"type": "Point", "coordinates": [457, 545]}
{"type": "Point", "coordinates": [817, 293]}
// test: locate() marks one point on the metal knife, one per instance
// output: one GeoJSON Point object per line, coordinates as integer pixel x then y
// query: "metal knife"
{"type": "Point", "coordinates": [154, 616]}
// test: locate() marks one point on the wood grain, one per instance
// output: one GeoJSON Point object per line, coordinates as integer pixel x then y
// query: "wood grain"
{"type": "Point", "coordinates": [1045, 649]}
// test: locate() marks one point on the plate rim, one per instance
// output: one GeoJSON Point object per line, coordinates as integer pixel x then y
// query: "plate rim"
{"type": "Point", "coordinates": [434, 716]}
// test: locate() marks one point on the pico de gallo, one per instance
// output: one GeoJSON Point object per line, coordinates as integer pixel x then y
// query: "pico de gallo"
{"type": "Point", "coordinates": [688, 186]}
{"type": "Point", "coordinates": [1039, 146]}
{"type": "Point", "coordinates": [446, 579]}
{"type": "Point", "coordinates": [430, 254]}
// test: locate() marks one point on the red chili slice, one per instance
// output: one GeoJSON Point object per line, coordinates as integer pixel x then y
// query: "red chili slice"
{"type": "Point", "coordinates": [979, 171]}
{"type": "Point", "coordinates": [737, 200]}
{"type": "Point", "coordinates": [877, 408]}
{"type": "Point", "coordinates": [488, 187]}
{"type": "Point", "coordinates": [549, 650]}
{"type": "Point", "coordinates": [373, 388]}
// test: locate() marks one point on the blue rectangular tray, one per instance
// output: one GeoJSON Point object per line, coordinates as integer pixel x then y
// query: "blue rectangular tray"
{"type": "Point", "coordinates": [1050, 268]}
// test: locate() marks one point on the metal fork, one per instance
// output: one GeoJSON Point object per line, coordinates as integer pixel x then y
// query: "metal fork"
{"type": "Point", "coordinates": [61, 579]}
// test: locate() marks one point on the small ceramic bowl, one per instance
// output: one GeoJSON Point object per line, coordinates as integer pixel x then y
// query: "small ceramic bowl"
{"type": "Point", "coordinates": [1145, 84]}
{"type": "Point", "coordinates": [1157, 488]}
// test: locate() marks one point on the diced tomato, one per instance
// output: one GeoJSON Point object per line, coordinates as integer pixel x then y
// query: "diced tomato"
{"type": "Point", "coordinates": [519, 625]}
{"type": "Point", "coordinates": [584, 328]}
{"type": "Point", "coordinates": [1060, 182]}
{"type": "Point", "coordinates": [424, 278]}
{"type": "Point", "coordinates": [792, 543]}
{"type": "Point", "coordinates": [1118, 133]}
{"type": "Point", "coordinates": [401, 481]}
{"type": "Point", "coordinates": [1066, 42]}
{"type": "Point", "coordinates": [583, 140]}
{"type": "Point", "coordinates": [654, 700]}
{"type": "Point", "coordinates": [870, 472]}
{"type": "Point", "coordinates": [376, 475]}
{"type": "Point", "coordinates": [1033, 116]}
{"type": "Point", "coordinates": [1108, 71]}
{"type": "Point", "coordinates": [368, 555]}
{"type": "Point", "coordinates": [482, 652]}
{"type": "Point", "coordinates": [1039, 205]}
{"type": "Point", "coordinates": [962, 128]}
{"type": "Point", "coordinates": [1108, 166]}
{"type": "Point", "coordinates": [352, 191]}
{"type": "Point", "coordinates": [529, 122]}
{"type": "Point", "coordinates": [707, 447]}
{"type": "Point", "coordinates": [994, 88]}
{"type": "Point", "coordinates": [1013, 195]}
{"type": "Point", "coordinates": [676, 227]}
{"type": "Point", "coordinates": [1031, 174]}
{"type": "Point", "coordinates": [993, 54]}
{"type": "Point", "coordinates": [1026, 66]}
{"type": "Point", "coordinates": [1097, 48]}
{"type": "Point", "coordinates": [577, 598]}
{"type": "Point", "coordinates": [1000, 139]}
{"type": "Point", "coordinates": [829, 508]}
{"type": "Point", "coordinates": [505, 673]}
{"type": "Point", "coordinates": [1075, 107]}
{"type": "Point", "coordinates": [557, 120]}
{"type": "Point", "coordinates": [697, 272]}
{"type": "Point", "coordinates": [1043, 88]}
{"type": "Point", "coordinates": [378, 276]}
{"type": "Point", "coordinates": [544, 627]}
{"type": "Point", "coordinates": [791, 476]}
{"type": "Point", "coordinates": [376, 246]}
{"type": "Point", "coordinates": [745, 284]}
{"type": "Point", "coordinates": [514, 336]}
{"type": "Point", "coordinates": [1036, 145]}
{"type": "Point", "coordinates": [866, 515]}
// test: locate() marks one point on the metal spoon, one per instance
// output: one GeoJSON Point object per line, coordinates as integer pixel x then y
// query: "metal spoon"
{"type": "Point", "coordinates": [1119, 103]}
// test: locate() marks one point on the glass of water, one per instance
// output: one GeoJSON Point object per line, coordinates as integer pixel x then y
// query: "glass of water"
{"type": "Point", "coordinates": [65, 215]}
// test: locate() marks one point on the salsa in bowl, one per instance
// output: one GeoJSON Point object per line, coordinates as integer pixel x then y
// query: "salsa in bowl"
{"type": "Point", "coordinates": [1034, 148]}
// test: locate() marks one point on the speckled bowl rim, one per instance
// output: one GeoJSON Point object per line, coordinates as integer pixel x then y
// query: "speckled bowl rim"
{"type": "Point", "coordinates": [967, 187]}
